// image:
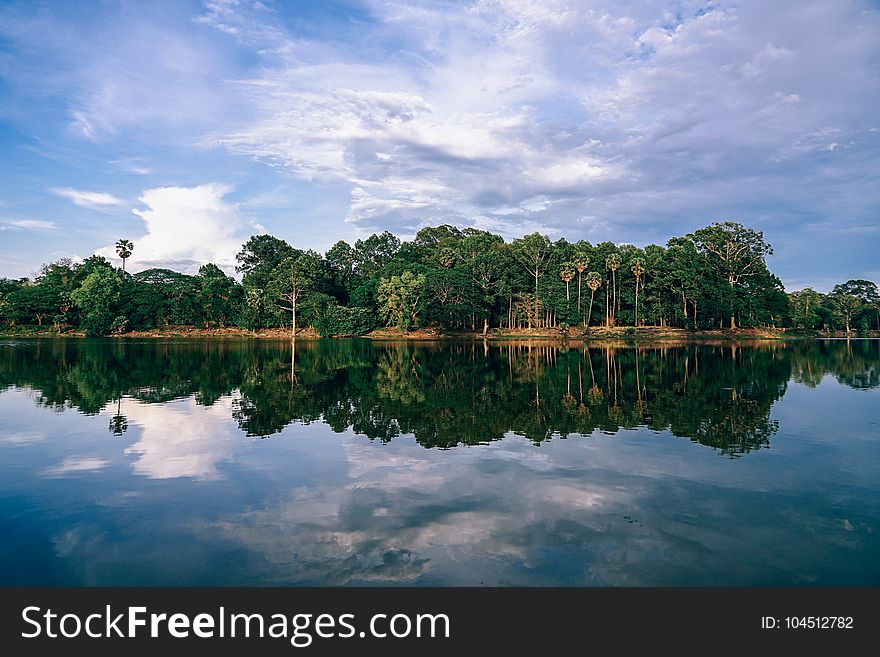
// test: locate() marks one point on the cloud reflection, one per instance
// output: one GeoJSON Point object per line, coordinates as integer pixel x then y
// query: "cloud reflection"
{"type": "Point", "coordinates": [181, 439]}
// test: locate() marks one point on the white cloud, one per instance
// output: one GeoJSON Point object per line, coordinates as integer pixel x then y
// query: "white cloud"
{"type": "Point", "coordinates": [29, 224]}
{"type": "Point", "coordinates": [87, 199]}
{"type": "Point", "coordinates": [186, 228]}
{"type": "Point", "coordinates": [617, 115]}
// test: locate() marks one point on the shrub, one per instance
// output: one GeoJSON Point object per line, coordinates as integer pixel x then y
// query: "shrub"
{"type": "Point", "coordinates": [341, 320]}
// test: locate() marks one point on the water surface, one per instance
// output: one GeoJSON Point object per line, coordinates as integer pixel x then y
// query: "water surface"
{"type": "Point", "coordinates": [349, 462]}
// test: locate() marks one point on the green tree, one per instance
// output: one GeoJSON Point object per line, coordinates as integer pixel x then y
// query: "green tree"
{"type": "Point", "coordinates": [865, 291]}
{"type": "Point", "coordinates": [845, 306]}
{"type": "Point", "coordinates": [581, 261]}
{"type": "Point", "coordinates": [257, 261]}
{"type": "Point", "coordinates": [594, 281]}
{"type": "Point", "coordinates": [373, 253]}
{"type": "Point", "coordinates": [532, 252]}
{"type": "Point", "coordinates": [613, 263]}
{"type": "Point", "coordinates": [98, 299]}
{"type": "Point", "coordinates": [124, 249]}
{"type": "Point", "coordinates": [340, 258]}
{"type": "Point", "coordinates": [291, 280]}
{"type": "Point", "coordinates": [805, 304]}
{"type": "Point", "coordinates": [566, 273]}
{"type": "Point", "coordinates": [219, 296]}
{"type": "Point", "coordinates": [638, 270]}
{"type": "Point", "coordinates": [734, 252]}
{"type": "Point", "coordinates": [400, 299]}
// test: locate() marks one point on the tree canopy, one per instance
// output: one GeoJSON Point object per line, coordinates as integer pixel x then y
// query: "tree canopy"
{"type": "Point", "coordinates": [449, 278]}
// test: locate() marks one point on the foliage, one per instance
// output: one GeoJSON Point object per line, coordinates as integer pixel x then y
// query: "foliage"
{"type": "Point", "coordinates": [333, 320]}
{"type": "Point", "coordinates": [456, 279]}
{"type": "Point", "coordinates": [98, 299]}
{"type": "Point", "coordinates": [400, 299]}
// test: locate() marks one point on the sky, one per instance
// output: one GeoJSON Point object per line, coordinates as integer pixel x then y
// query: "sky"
{"type": "Point", "coordinates": [189, 126]}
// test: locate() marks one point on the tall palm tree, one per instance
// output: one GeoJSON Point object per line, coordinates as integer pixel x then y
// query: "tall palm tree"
{"type": "Point", "coordinates": [123, 250]}
{"type": "Point", "coordinates": [581, 262]}
{"type": "Point", "coordinates": [613, 262]}
{"type": "Point", "coordinates": [594, 280]}
{"type": "Point", "coordinates": [638, 269]}
{"type": "Point", "coordinates": [566, 273]}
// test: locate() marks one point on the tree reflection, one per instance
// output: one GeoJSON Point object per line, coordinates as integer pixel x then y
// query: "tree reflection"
{"type": "Point", "coordinates": [451, 393]}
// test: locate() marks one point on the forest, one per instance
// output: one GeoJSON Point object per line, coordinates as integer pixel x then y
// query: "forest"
{"type": "Point", "coordinates": [445, 278]}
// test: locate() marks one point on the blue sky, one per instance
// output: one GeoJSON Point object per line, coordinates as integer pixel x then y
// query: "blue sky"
{"type": "Point", "coordinates": [189, 126]}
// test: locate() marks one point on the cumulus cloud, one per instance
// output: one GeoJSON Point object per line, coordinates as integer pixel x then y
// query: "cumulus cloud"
{"type": "Point", "coordinates": [87, 199]}
{"type": "Point", "coordinates": [186, 228]}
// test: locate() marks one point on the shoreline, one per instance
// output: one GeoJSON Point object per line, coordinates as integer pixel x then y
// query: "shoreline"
{"type": "Point", "coordinates": [597, 334]}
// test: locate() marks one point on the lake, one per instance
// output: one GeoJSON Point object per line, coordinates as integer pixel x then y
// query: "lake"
{"type": "Point", "coordinates": [351, 462]}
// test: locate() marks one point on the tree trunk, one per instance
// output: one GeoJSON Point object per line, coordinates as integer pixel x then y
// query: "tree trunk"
{"type": "Point", "coordinates": [590, 314]}
{"type": "Point", "coordinates": [732, 313]}
{"type": "Point", "coordinates": [614, 298]}
{"type": "Point", "coordinates": [579, 294]}
{"type": "Point", "coordinates": [485, 326]}
{"type": "Point", "coordinates": [607, 307]}
{"type": "Point", "coordinates": [293, 316]}
{"type": "Point", "coordinates": [637, 302]}
{"type": "Point", "coordinates": [537, 318]}
{"type": "Point", "coordinates": [567, 296]}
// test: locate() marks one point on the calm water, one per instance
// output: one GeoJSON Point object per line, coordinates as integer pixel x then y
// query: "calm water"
{"type": "Point", "coordinates": [352, 462]}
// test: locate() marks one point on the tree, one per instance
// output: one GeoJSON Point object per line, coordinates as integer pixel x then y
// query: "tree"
{"type": "Point", "coordinates": [453, 297]}
{"type": "Point", "coordinates": [340, 258]}
{"type": "Point", "coordinates": [258, 259]}
{"type": "Point", "coordinates": [566, 273]}
{"type": "Point", "coordinates": [219, 295]}
{"type": "Point", "coordinates": [845, 306]}
{"type": "Point", "coordinates": [400, 299]}
{"type": "Point", "coordinates": [98, 299]}
{"type": "Point", "coordinates": [594, 281]}
{"type": "Point", "coordinates": [638, 269]}
{"type": "Point", "coordinates": [613, 262]}
{"type": "Point", "coordinates": [290, 281]}
{"type": "Point", "coordinates": [373, 253]}
{"type": "Point", "coordinates": [531, 252]}
{"type": "Point", "coordinates": [734, 252]}
{"type": "Point", "coordinates": [581, 261]}
{"type": "Point", "coordinates": [260, 255]}
{"type": "Point", "coordinates": [865, 291]}
{"type": "Point", "coordinates": [804, 304]}
{"type": "Point", "coordinates": [124, 249]}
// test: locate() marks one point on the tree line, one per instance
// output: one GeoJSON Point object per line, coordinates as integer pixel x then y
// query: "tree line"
{"type": "Point", "coordinates": [447, 278]}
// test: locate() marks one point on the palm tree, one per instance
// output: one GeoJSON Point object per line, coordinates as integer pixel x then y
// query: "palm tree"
{"type": "Point", "coordinates": [612, 262]}
{"type": "Point", "coordinates": [567, 274]}
{"type": "Point", "coordinates": [123, 250]}
{"type": "Point", "coordinates": [638, 269]}
{"type": "Point", "coordinates": [581, 262]}
{"type": "Point", "coordinates": [594, 280]}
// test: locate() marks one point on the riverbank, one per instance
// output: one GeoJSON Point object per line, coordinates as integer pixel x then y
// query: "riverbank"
{"type": "Point", "coordinates": [595, 333]}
